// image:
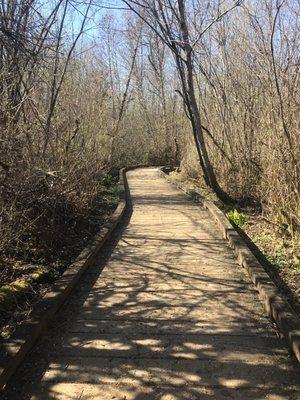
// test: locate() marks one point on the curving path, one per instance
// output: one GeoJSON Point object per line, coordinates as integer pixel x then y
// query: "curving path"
{"type": "Point", "coordinates": [171, 317]}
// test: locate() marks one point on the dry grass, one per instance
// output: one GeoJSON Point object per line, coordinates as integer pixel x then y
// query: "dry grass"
{"type": "Point", "coordinates": [43, 249]}
{"type": "Point", "coordinates": [282, 253]}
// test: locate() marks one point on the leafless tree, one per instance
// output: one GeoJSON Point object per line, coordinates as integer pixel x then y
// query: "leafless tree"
{"type": "Point", "coordinates": [170, 22]}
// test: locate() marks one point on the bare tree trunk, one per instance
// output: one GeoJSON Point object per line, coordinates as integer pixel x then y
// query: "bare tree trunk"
{"type": "Point", "coordinates": [124, 97]}
{"type": "Point", "coordinates": [186, 66]}
{"type": "Point", "coordinates": [57, 83]}
{"type": "Point", "coordinates": [169, 22]}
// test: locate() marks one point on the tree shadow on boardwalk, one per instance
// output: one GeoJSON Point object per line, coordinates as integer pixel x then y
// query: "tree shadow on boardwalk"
{"type": "Point", "coordinates": [152, 329]}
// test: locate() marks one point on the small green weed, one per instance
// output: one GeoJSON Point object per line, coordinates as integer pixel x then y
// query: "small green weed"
{"type": "Point", "coordinates": [237, 218]}
{"type": "Point", "coordinates": [11, 293]}
{"type": "Point", "coordinates": [108, 180]}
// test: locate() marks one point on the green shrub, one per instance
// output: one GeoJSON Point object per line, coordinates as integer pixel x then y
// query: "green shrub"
{"type": "Point", "coordinates": [107, 180]}
{"type": "Point", "coordinates": [43, 274]}
{"type": "Point", "coordinates": [11, 293]}
{"type": "Point", "coordinates": [237, 218]}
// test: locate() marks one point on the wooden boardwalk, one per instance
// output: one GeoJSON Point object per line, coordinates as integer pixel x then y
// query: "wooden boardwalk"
{"type": "Point", "coordinates": [165, 314]}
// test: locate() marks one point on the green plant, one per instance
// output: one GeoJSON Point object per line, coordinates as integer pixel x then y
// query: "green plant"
{"type": "Point", "coordinates": [107, 180]}
{"type": "Point", "coordinates": [237, 218]}
{"type": "Point", "coordinates": [11, 293]}
{"type": "Point", "coordinates": [43, 274]}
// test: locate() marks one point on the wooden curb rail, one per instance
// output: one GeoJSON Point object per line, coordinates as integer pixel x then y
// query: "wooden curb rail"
{"type": "Point", "coordinates": [275, 304]}
{"type": "Point", "coordinates": [14, 349]}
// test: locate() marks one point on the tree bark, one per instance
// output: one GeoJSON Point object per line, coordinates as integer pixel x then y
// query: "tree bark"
{"type": "Point", "coordinates": [186, 74]}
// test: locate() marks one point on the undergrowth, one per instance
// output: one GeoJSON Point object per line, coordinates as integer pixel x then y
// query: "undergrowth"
{"type": "Point", "coordinates": [61, 224]}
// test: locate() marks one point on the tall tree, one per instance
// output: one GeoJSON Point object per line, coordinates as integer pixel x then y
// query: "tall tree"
{"type": "Point", "coordinates": [169, 20]}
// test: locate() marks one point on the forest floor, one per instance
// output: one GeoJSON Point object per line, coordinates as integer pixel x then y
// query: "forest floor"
{"type": "Point", "coordinates": [276, 250]}
{"type": "Point", "coordinates": [27, 276]}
